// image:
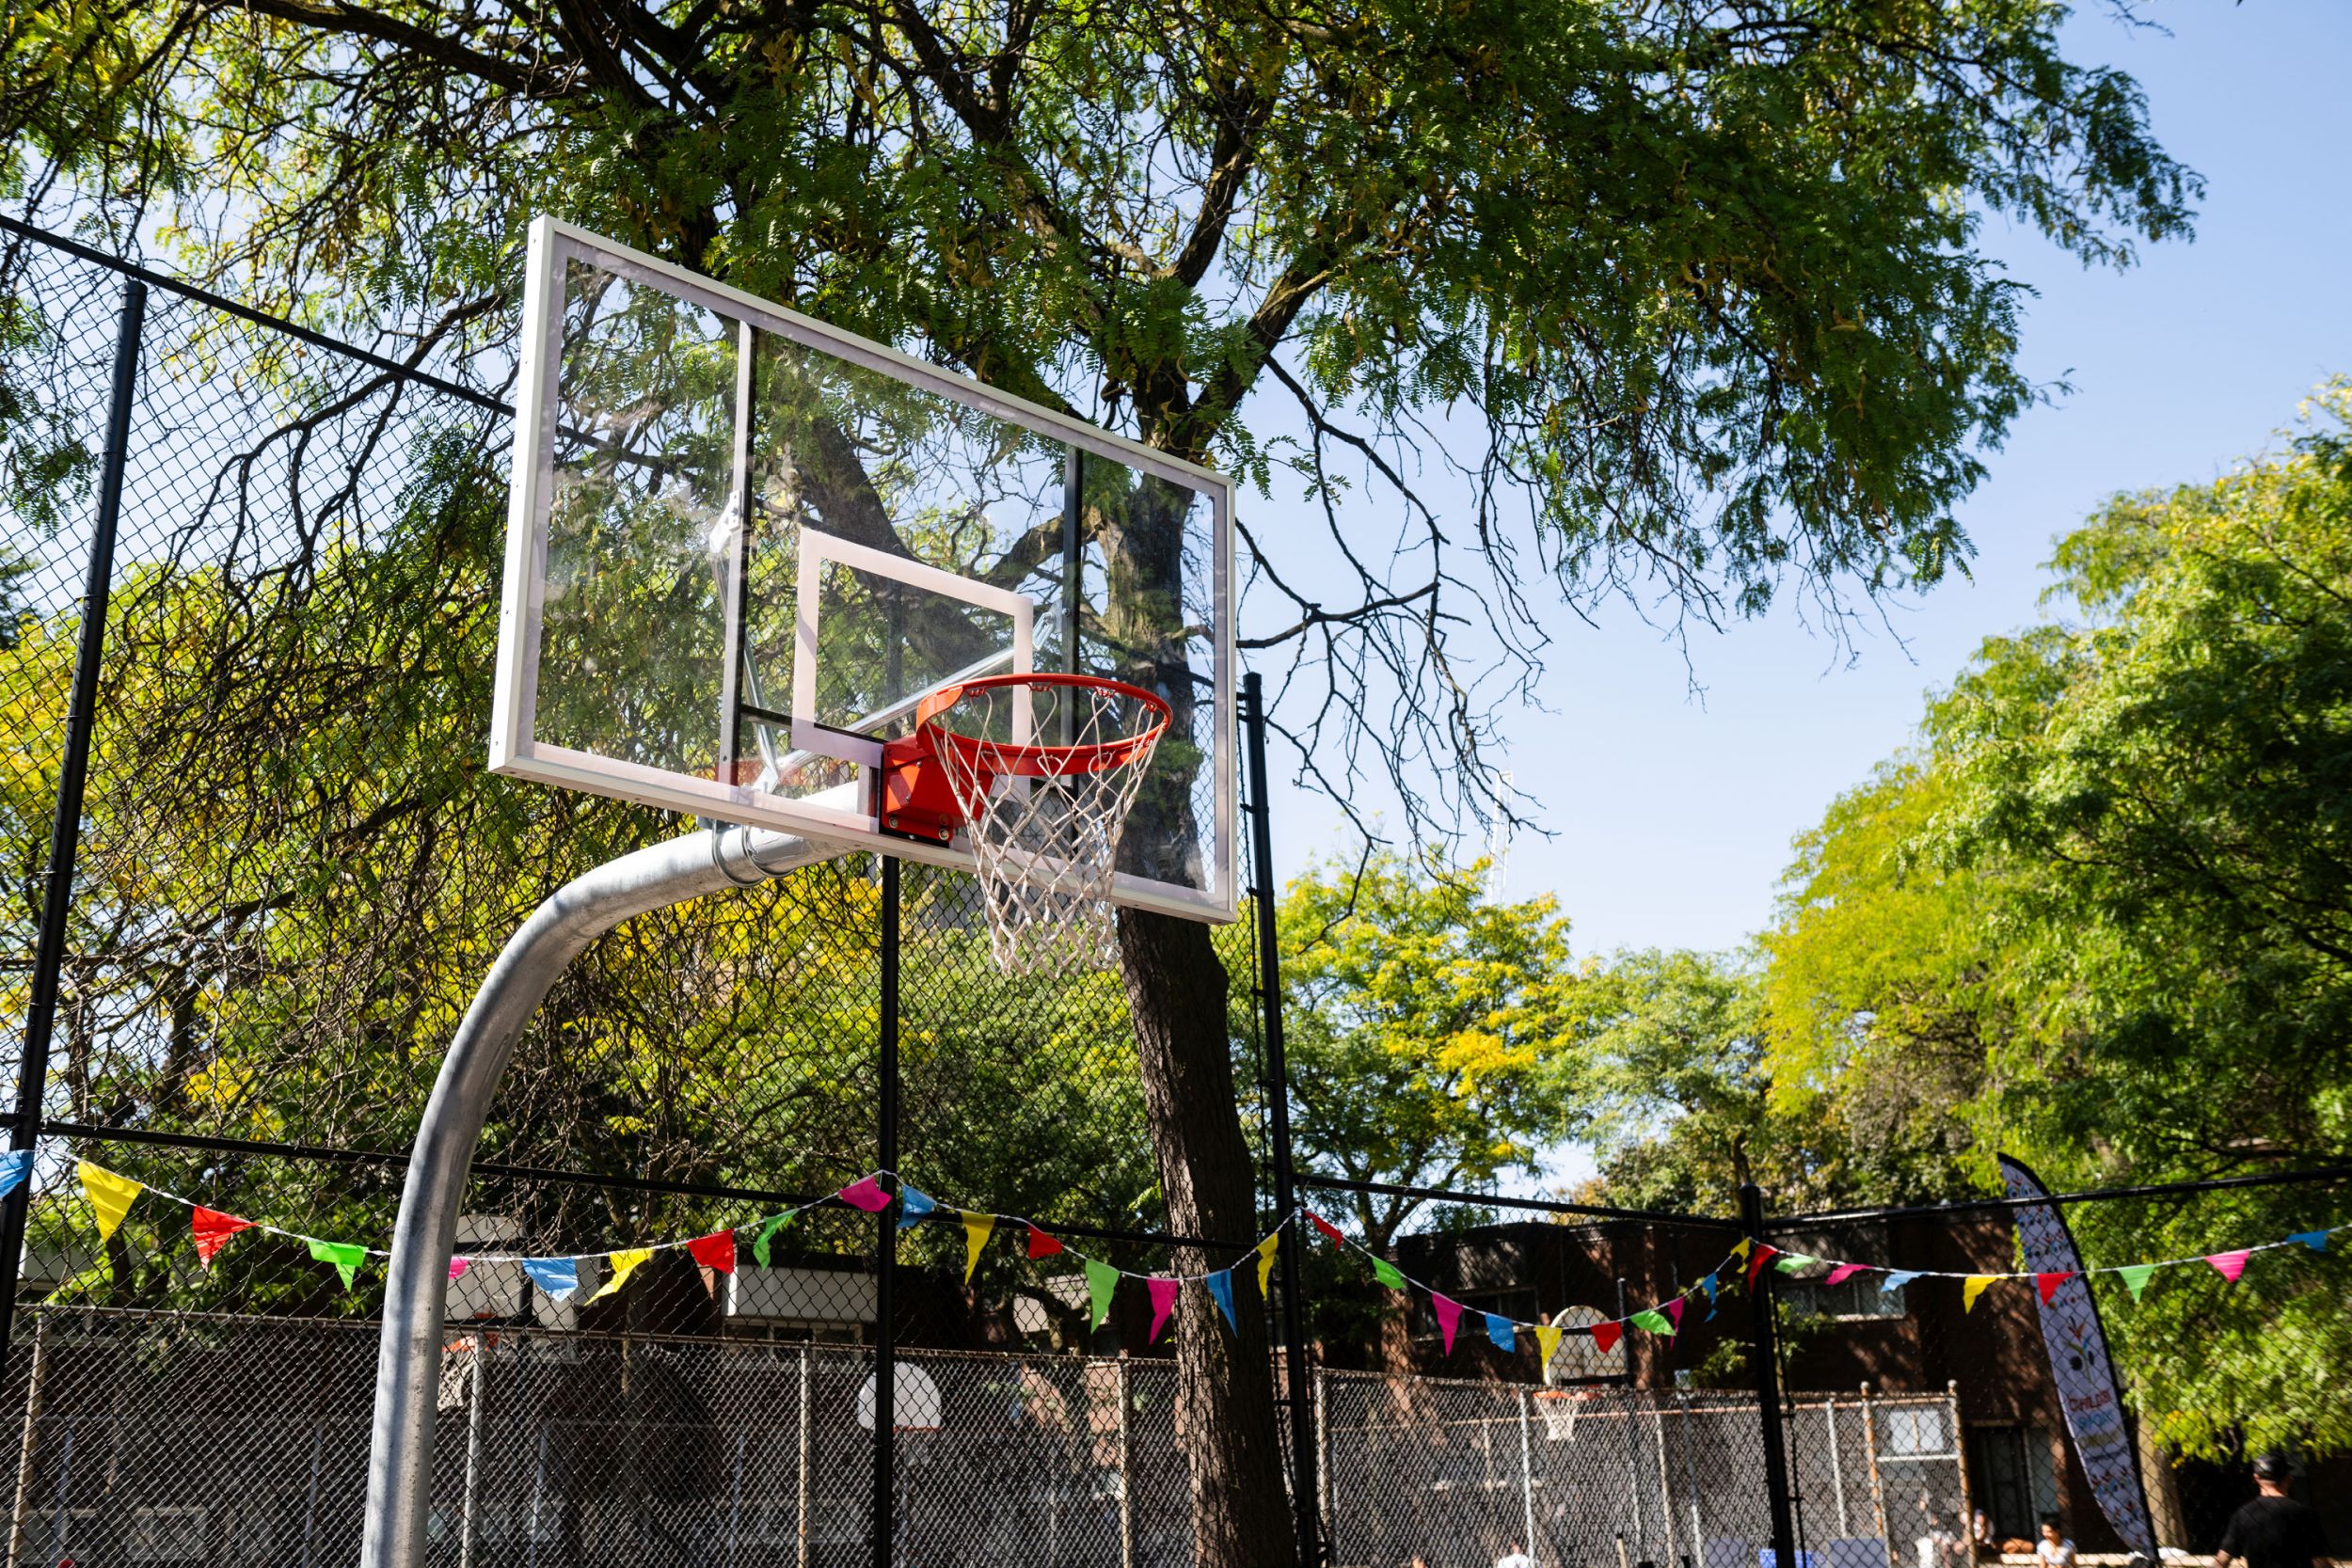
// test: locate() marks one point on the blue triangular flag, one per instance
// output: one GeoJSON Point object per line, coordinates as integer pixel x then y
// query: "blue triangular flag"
{"type": "Point", "coordinates": [1709, 1286]}
{"type": "Point", "coordinates": [14, 1166]}
{"type": "Point", "coordinates": [913, 1204]}
{"type": "Point", "coordinates": [558, 1276]}
{"type": "Point", "coordinates": [1896, 1281]}
{"type": "Point", "coordinates": [1220, 1286]}
{"type": "Point", "coordinates": [1502, 1332]}
{"type": "Point", "coordinates": [2315, 1240]}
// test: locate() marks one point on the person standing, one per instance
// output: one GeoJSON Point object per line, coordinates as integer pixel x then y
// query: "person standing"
{"type": "Point", "coordinates": [2053, 1550]}
{"type": "Point", "coordinates": [2274, 1530]}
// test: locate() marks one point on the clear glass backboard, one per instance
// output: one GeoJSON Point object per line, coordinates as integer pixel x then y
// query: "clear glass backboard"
{"type": "Point", "coordinates": [742, 546]}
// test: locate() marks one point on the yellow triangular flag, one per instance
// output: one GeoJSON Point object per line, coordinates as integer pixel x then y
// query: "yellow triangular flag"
{"type": "Point", "coordinates": [622, 1265]}
{"type": "Point", "coordinates": [1973, 1288]}
{"type": "Point", "coordinates": [1265, 1260]}
{"type": "Point", "coordinates": [976, 1231]}
{"type": "Point", "coordinates": [110, 1196]}
{"type": "Point", "coordinates": [1547, 1340]}
{"type": "Point", "coordinates": [1741, 1251]}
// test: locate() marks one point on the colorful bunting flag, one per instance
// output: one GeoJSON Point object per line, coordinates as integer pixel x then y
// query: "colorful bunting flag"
{"type": "Point", "coordinates": [715, 1251]}
{"type": "Point", "coordinates": [1449, 1315]}
{"type": "Point", "coordinates": [457, 1267]}
{"type": "Point", "coordinates": [914, 1203]}
{"type": "Point", "coordinates": [1162, 1293]}
{"type": "Point", "coordinates": [1330, 1231]}
{"type": "Point", "coordinates": [213, 1229]}
{"type": "Point", "coordinates": [1973, 1287]}
{"type": "Point", "coordinates": [1102, 1279]}
{"type": "Point", "coordinates": [1792, 1262]}
{"type": "Point", "coordinates": [346, 1255]}
{"type": "Point", "coordinates": [767, 1234]}
{"type": "Point", "coordinates": [1674, 1312]}
{"type": "Point", "coordinates": [1844, 1272]}
{"type": "Point", "coordinates": [558, 1276]}
{"type": "Point", "coordinates": [1388, 1273]}
{"type": "Point", "coordinates": [1605, 1335]}
{"type": "Point", "coordinates": [2048, 1284]}
{"type": "Point", "coordinates": [2135, 1277]}
{"type": "Point", "coordinates": [977, 1228]}
{"type": "Point", "coordinates": [619, 1266]}
{"type": "Point", "coordinates": [2230, 1264]}
{"type": "Point", "coordinates": [1041, 1244]}
{"type": "Point", "coordinates": [1709, 1286]}
{"type": "Point", "coordinates": [1501, 1333]}
{"type": "Point", "coordinates": [1266, 1263]}
{"type": "Point", "coordinates": [15, 1165]}
{"type": "Point", "coordinates": [1220, 1286]}
{"type": "Point", "coordinates": [1760, 1256]}
{"type": "Point", "coordinates": [1896, 1281]}
{"type": "Point", "coordinates": [1654, 1320]}
{"type": "Point", "coordinates": [110, 1196]}
{"type": "Point", "coordinates": [1546, 1341]}
{"type": "Point", "coordinates": [2315, 1240]}
{"type": "Point", "coordinates": [867, 1193]}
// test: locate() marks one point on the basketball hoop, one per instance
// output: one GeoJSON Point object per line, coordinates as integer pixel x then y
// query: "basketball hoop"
{"type": "Point", "coordinates": [1043, 817]}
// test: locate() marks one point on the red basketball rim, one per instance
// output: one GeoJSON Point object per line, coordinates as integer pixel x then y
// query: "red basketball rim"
{"type": "Point", "coordinates": [1033, 760]}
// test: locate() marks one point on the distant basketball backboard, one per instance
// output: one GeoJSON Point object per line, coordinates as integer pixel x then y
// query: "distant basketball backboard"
{"type": "Point", "coordinates": [742, 546]}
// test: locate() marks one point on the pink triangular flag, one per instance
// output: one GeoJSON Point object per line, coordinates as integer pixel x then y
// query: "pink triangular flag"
{"type": "Point", "coordinates": [1844, 1272]}
{"type": "Point", "coordinates": [2231, 1264]}
{"type": "Point", "coordinates": [458, 1266]}
{"type": "Point", "coordinates": [2048, 1284]}
{"type": "Point", "coordinates": [1449, 1314]}
{"type": "Point", "coordinates": [866, 1194]}
{"type": "Point", "coordinates": [1674, 1311]}
{"type": "Point", "coordinates": [1163, 1294]}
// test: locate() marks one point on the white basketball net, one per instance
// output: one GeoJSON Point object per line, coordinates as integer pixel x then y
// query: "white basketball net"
{"type": "Point", "coordinates": [1046, 843]}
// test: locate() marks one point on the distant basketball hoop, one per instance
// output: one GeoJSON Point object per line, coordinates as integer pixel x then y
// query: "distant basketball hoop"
{"type": "Point", "coordinates": [915, 1402]}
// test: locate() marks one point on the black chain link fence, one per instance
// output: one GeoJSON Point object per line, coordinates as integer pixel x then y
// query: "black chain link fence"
{"type": "Point", "coordinates": [293, 872]}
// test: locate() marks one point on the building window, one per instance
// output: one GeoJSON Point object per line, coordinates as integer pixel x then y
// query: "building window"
{"type": "Point", "coordinates": [1916, 1432]}
{"type": "Point", "coordinates": [2011, 1471]}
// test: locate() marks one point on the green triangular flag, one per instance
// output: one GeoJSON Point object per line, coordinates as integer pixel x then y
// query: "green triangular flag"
{"type": "Point", "coordinates": [766, 1233]}
{"type": "Point", "coordinates": [1655, 1321]}
{"type": "Point", "coordinates": [2136, 1277]}
{"type": "Point", "coordinates": [1102, 1279]}
{"type": "Point", "coordinates": [1789, 1263]}
{"type": "Point", "coordinates": [346, 1255]}
{"type": "Point", "coordinates": [1388, 1273]}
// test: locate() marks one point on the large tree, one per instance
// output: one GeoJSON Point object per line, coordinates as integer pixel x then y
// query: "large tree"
{"type": "Point", "coordinates": [2105, 908]}
{"type": "Point", "coordinates": [1700, 276]}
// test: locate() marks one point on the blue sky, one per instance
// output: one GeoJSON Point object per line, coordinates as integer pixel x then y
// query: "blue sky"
{"type": "Point", "coordinates": [1671, 815]}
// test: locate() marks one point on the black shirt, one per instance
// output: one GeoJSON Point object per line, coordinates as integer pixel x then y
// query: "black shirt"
{"type": "Point", "coordinates": [2275, 1533]}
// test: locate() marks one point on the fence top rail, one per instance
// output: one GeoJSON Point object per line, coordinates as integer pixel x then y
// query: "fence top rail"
{"type": "Point", "coordinates": [1533, 1205]}
{"type": "Point", "coordinates": [246, 312]}
{"type": "Point", "coordinates": [2317, 1174]}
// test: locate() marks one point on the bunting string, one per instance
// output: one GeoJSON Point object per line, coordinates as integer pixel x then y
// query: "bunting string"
{"type": "Point", "coordinates": [112, 1196]}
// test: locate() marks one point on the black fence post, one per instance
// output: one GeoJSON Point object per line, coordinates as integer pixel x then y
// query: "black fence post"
{"type": "Point", "coordinates": [65, 827]}
{"type": "Point", "coordinates": [1303, 1489]}
{"type": "Point", "coordinates": [886, 1244]}
{"type": "Point", "coordinates": [1767, 1353]}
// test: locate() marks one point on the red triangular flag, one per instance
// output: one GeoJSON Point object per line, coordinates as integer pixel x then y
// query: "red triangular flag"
{"type": "Point", "coordinates": [1606, 1335]}
{"type": "Point", "coordinates": [1041, 1244]}
{"type": "Point", "coordinates": [1330, 1231]}
{"type": "Point", "coordinates": [714, 1251]}
{"type": "Point", "coordinates": [1757, 1259]}
{"type": "Point", "coordinates": [213, 1229]}
{"type": "Point", "coordinates": [2048, 1284]}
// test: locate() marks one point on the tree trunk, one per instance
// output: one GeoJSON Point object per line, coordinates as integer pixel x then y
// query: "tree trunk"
{"type": "Point", "coordinates": [1224, 1381]}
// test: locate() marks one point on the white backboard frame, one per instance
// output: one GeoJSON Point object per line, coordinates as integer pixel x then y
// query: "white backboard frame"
{"type": "Point", "coordinates": [514, 753]}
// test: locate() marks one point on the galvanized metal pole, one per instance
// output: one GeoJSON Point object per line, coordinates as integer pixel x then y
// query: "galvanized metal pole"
{"type": "Point", "coordinates": [1765, 1348]}
{"type": "Point", "coordinates": [1303, 1489]}
{"type": "Point", "coordinates": [886, 1245]}
{"type": "Point", "coordinates": [65, 825]}
{"type": "Point", "coordinates": [468, 1528]}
